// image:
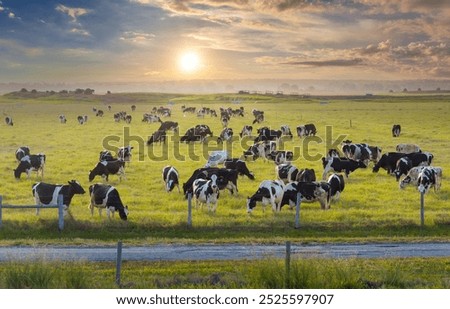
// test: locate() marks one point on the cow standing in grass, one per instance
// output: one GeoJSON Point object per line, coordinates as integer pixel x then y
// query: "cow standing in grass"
{"type": "Point", "coordinates": [170, 176]}
{"type": "Point", "coordinates": [107, 196]}
{"type": "Point", "coordinates": [31, 163]}
{"type": "Point", "coordinates": [269, 192]}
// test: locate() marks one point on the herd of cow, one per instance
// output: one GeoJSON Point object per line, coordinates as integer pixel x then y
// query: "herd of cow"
{"type": "Point", "coordinates": [206, 182]}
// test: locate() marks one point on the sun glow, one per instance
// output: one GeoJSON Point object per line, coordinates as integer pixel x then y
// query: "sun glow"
{"type": "Point", "coordinates": [189, 62]}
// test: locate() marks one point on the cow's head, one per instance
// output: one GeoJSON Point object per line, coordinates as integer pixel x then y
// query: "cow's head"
{"type": "Point", "coordinates": [23, 167]}
{"type": "Point", "coordinates": [251, 203]}
{"type": "Point", "coordinates": [76, 187]}
{"type": "Point", "coordinates": [214, 185]}
{"type": "Point", "coordinates": [123, 213]}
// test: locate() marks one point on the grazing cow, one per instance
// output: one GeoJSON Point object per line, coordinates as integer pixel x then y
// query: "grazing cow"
{"type": "Point", "coordinates": [30, 163]}
{"type": "Point", "coordinates": [133, 108]}
{"type": "Point", "coordinates": [309, 192]}
{"type": "Point", "coordinates": [106, 168]}
{"type": "Point", "coordinates": [107, 196]}
{"type": "Point", "coordinates": [206, 192]}
{"type": "Point", "coordinates": [338, 165]}
{"type": "Point", "coordinates": [240, 166]}
{"type": "Point", "coordinates": [266, 134]}
{"type": "Point", "coordinates": [158, 136]}
{"type": "Point", "coordinates": [225, 135]}
{"type": "Point", "coordinates": [333, 153]}
{"type": "Point", "coordinates": [80, 119]}
{"type": "Point", "coordinates": [109, 107]}
{"type": "Point", "coordinates": [124, 153]}
{"type": "Point", "coordinates": [269, 192]}
{"type": "Point", "coordinates": [286, 131]}
{"type": "Point", "coordinates": [188, 110]}
{"type": "Point", "coordinates": [260, 150]}
{"type": "Point", "coordinates": [128, 119]}
{"type": "Point", "coordinates": [197, 133]}
{"type": "Point", "coordinates": [407, 148]}
{"type": "Point", "coordinates": [168, 126]}
{"type": "Point", "coordinates": [411, 160]}
{"type": "Point", "coordinates": [428, 178]}
{"type": "Point", "coordinates": [216, 157]}
{"type": "Point", "coordinates": [396, 129]}
{"type": "Point", "coordinates": [246, 131]}
{"type": "Point", "coordinates": [106, 155]}
{"type": "Point", "coordinates": [306, 130]}
{"type": "Point", "coordinates": [9, 121]}
{"type": "Point", "coordinates": [226, 179]}
{"type": "Point", "coordinates": [281, 156]}
{"type": "Point", "coordinates": [337, 185]}
{"type": "Point", "coordinates": [22, 152]}
{"type": "Point", "coordinates": [47, 194]}
{"type": "Point", "coordinates": [99, 113]}
{"type": "Point", "coordinates": [306, 175]}
{"type": "Point", "coordinates": [413, 176]}
{"type": "Point", "coordinates": [361, 152]}
{"type": "Point", "coordinates": [388, 162]}
{"type": "Point", "coordinates": [286, 172]}
{"type": "Point", "coordinates": [150, 118]}
{"type": "Point", "coordinates": [170, 176]}
{"type": "Point", "coordinates": [224, 121]}
{"type": "Point", "coordinates": [402, 167]}
{"type": "Point", "coordinates": [62, 119]}
{"type": "Point", "coordinates": [259, 116]}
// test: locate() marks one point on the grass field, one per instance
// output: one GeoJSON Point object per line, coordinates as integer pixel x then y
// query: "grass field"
{"type": "Point", "coordinates": [372, 207]}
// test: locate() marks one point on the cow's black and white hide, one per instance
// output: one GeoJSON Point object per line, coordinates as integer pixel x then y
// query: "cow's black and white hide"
{"type": "Point", "coordinates": [246, 131]}
{"type": "Point", "coordinates": [128, 119]}
{"type": "Point", "coordinates": [62, 119]}
{"type": "Point", "coordinates": [260, 150]}
{"type": "Point", "coordinates": [124, 153]}
{"type": "Point", "coordinates": [168, 126]}
{"type": "Point", "coordinates": [80, 119]}
{"type": "Point", "coordinates": [150, 118]}
{"type": "Point", "coordinates": [106, 155]}
{"type": "Point", "coordinates": [428, 177]}
{"type": "Point", "coordinates": [402, 167]}
{"type": "Point", "coordinates": [22, 152]}
{"type": "Point", "coordinates": [413, 176]}
{"type": "Point", "coordinates": [338, 165]}
{"type": "Point", "coordinates": [259, 116]}
{"type": "Point", "coordinates": [362, 152]}
{"type": "Point", "coordinates": [306, 130]}
{"type": "Point", "coordinates": [286, 172]}
{"type": "Point", "coordinates": [266, 134]}
{"type": "Point", "coordinates": [396, 129]}
{"type": "Point", "coordinates": [309, 192]}
{"type": "Point", "coordinates": [99, 113]}
{"type": "Point", "coordinates": [9, 121]}
{"type": "Point", "coordinates": [106, 168]}
{"type": "Point", "coordinates": [269, 192]}
{"type": "Point", "coordinates": [337, 185]}
{"type": "Point", "coordinates": [407, 148]}
{"type": "Point", "coordinates": [240, 166]}
{"type": "Point", "coordinates": [186, 110]}
{"type": "Point", "coordinates": [107, 197]}
{"type": "Point", "coordinates": [306, 175]}
{"type": "Point", "coordinates": [206, 192]}
{"type": "Point", "coordinates": [216, 157]}
{"type": "Point", "coordinates": [286, 131]}
{"type": "Point", "coordinates": [281, 156]}
{"type": "Point", "coordinates": [171, 178]}
{"type": "Point", "coordinates": [157, 137]}
{"type": "Point", "coordinates": [226, 179]}
{"type": "Point", "coordinates": [388, 162]}
{"type": "Point", "coordinates": [197, 133]}
{"type": "Point", "coordinates": [226, 135]}
{"type": "Point", "coordinates": [333, 153]}
{"type": "Point", "coordinates": [31, 163]}
{"type": "Point", "coordinates": [47, 194]}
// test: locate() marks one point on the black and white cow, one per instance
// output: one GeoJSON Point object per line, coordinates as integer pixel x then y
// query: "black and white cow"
{"type": "Point", "coordinates": [107, 196]}
{"type": "Point", "coordinates": [206, 192]}
{"type": "Point", "coordinates": [246, 131]}
{"type": "Point", "coordinates": [259, 116]}
{"type": "Point", "coordinates": [150, 118]}
{"type": "Point", "coordinates": [22, 152]}
{"type": "Point", "coordinates": [413, 176]}
{"type": "Point", "coordinates": [216, 157]}
{"type": "Point", "coordinates": [106, 155]}
{"type": "Point", "coordinates": [99, 113]}
{"type": "Point", "coordinates": [388, 162]}
{"type": "Point", "coordinates": [226, 135]}
{"type": "Point", "coordinates": [47, 194]}
{"type": "Point", "coordinates": [281, 156]}
{"type": "Point", "coordinates": [106, 168]}
{"type": "Point", "coordinates": [337, 185]}
{"type": "Point", "coordinates": [128, 119]}
{"type": "Point", "coordinates": [286, 131]}
{"type": "Point", "coordinates": [197, 133]}
{"type": "Point", "coordinates": [428, 178]}
{"type": "Point", "coordinates": [31, 163]}
{"type": "Point", "coordinates": [168, 126]}
{"type": "Point", "coordinates": [362, 152]}
{"type": "Point", "coordinates": [240, 166]}
{"type": "Point", "coordinates": [62, 119]}
{"type": "Point", "coordinates": [402, 167]}
{"type": "Point", "coordinates": [9, 121]}
{"type": "Point", "coordinates": [269, 192]}
{"type": "Point", "coordinates": [286, 172]}
{"type": "Point", "coordinates": [338, 165]}
{"type": "Point", "coordinates": [260, 150]}
{"type": "Point", "coordinates": [396, 129]}
{"type": "Point", "coordinates": [157, 136]}
{"type": "Point", "coordinates": [226, 179]}
{"type": "Point", "coordinates": [306, 130]}
{"type": "Point", "coordinates": [170, 176]}
{"type": "Point", "coordinates": [133, 108]}
{"type": "Point", "coordinates": [266, 134]}
{"type": "Point", "coordinates": [124, 153]}
{"type": "Point", "coordinates": [309, 192]}
{"type": "Point", "coordinates": [306, 175]}
{"type": "Point", "coordinates": [407, 148]}
{"type": "Point", "coordinates": [80, 119]}
{"type": "Point", "coordinates": [333, 153]}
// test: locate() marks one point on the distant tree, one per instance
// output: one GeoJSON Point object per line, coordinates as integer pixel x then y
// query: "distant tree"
{"type": "Point", "coordinates": [419, 89]}
{"type": "Point", "coordinates": [108, 92]}
{"type": "Point", "coordinates": [64, 92]}
{"type": "Point", "coordinates": [405, 90]}
{"type": "Point", "coordinates": [438, 89]}
{"type": "Point", "coordinates": [79, 91]}
{"type": "Point", "coordinates": [34, 91]}
{"type": "Point", "coordinates": [391, 91]}
{"type": "Point", "coordinates": [89, 91]}
{"type": "Point", "coordinates": [23, 90]}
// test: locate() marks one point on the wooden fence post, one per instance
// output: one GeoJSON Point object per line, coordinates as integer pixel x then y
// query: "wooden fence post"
{"type": "Point", "coordinates": [422, 209]}
{"type": "Point", "coordinates": [118, 262]}
{"type": "Point", "coordinates": [189, 218]}
{"type": "Point", "coordinates": [288, 265]}
{"type": "Point", "coordinates": [297, 210]}
{"type": "Point", "coordinates": [1, 200]}
{"type": "Point", "coordinates": [60, 212]}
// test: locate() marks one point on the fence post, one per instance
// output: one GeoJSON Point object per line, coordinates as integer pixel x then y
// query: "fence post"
{"type": "Point", "coordinates": [189, 218]}
{"type": "Point", "coordinates": [60, 212]}
{"type": "Point", "coordinates": [1, 200]}
{"type": "Point", "coordinates": [297, 210]}
{"type": "Point", "coordinates": [422, 209]}
{"type": "Point", "coordinates": [118, 262]}
{"type": "Point", "coordinates": [288, 264]}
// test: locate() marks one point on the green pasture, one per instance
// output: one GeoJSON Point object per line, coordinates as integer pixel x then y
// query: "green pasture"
{"type": "Point", "coordinates": [371, 208]}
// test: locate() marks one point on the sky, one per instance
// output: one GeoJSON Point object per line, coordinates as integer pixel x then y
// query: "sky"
{"type": "Point", "coordinates": [126, 41]}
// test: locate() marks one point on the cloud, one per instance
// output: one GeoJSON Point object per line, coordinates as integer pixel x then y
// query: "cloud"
{"type": "Point", "coordinates": [328, 63]}
{"type": "Point", "coordinates": [137, 37]}
{"type": "Point", "coordinates": [74, 13]}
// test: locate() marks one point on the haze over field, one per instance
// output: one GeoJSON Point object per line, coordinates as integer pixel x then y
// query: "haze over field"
{"type": "Point", "coordinates": [303, 46]}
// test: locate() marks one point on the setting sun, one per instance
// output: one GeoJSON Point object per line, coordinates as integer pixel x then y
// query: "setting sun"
{"type": "Point", "coordinates": [189, 62]}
